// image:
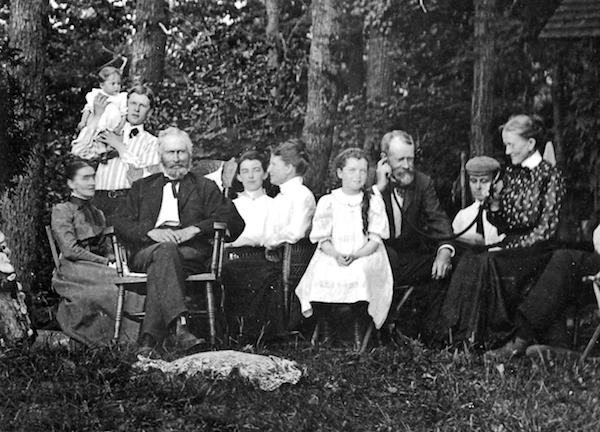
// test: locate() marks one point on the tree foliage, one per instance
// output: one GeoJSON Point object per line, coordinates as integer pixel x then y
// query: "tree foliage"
{"type": "Point", "coordinates": [219, 85]}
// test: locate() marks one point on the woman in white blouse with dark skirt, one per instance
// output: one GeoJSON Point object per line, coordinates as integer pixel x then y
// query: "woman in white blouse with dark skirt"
{"type": "Point", "coordinates": [252, 274]}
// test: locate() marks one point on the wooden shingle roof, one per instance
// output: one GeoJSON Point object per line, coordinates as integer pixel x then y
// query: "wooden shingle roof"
{"type": "Point", "coordinates": [574, 19]}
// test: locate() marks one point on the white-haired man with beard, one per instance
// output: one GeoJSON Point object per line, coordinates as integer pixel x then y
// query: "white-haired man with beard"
{"type": "Point", "coordinates": [167, 222]}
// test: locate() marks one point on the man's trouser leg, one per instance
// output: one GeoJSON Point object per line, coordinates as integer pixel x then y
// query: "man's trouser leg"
{"type": "Point", "coordinates": [166, 265]}
{"type": "Point", "coordinates": [555, 289]}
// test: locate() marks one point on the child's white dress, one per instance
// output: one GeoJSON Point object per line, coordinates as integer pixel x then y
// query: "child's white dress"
{"type": "Point", "coordinates": [339, 218]}
{"type": "Point", "coordinates": [109, 120]}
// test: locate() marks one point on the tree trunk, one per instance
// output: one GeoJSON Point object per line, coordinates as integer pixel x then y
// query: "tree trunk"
{"type": "Point", "coordinates": [273, 10]}
{"type": "Point", "coordinates": [322, 100]}
{"type": "Point", "coordinates": [22, 207]}
{"type": "Point", "coordinates": [379, 88]}
{"type": "Point", "coordinates": [558, 110]}
{"type": "Point", "coordinates": [151, 22]}
{"type": "Point", "coordinates": [482, 106]}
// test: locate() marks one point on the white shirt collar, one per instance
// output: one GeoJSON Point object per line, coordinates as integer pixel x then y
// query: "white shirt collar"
{"type": "Point", "coordinates": [129, 127]}
{"type": "Point", "coordinates": [351, 200]}
{"type": "Point", "coordinates": [532, 161]}
{"type": "Point", "coordinates": [291, 184]}
{"type": "Point", "coordinates": [80, 197]}
{"type": "Point", "coordinates": [255, 194]}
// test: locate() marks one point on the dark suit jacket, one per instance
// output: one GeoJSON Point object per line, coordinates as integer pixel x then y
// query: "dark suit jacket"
{"type": "Point", "coordinates": [201, 203]}
{"type": "Point", "coordinates": [422, 209]}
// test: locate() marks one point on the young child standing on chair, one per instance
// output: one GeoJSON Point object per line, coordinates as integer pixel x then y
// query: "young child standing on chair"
{"type": "Point", "coordinates": [350, 265]}
{"type": "Point", "coordinates": [114, 115]}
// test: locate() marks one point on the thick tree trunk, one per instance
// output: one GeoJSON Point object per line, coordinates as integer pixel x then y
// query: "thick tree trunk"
{"type": "Point", "coordinates": [152, 19]}
{"type": "Point", "coordinates": [323, 92]}
{"type": "Point", "coordinates": [273, 10]}
{"type": "Point", "coordinates": [28, 30]}
{"type": "Point", "coordinates": [379, 87]}
{"type": "Point", "coordinates": [22, 207]}
{"type": "Point", "coordinates": [482, 106]}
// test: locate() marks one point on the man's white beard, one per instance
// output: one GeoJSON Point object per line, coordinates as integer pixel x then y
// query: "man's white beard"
{"type": "Point", "coordinates": [404, 178]}
{"type": "Point", "coordinates": [176, 172]}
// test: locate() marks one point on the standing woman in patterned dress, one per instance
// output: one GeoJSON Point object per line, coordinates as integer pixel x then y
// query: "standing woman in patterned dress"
{"type": "Point", "coordinates": [487, 288]}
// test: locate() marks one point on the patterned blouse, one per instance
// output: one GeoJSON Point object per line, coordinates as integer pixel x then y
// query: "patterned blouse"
{"type": "Point", "coordinates": [530, 204]}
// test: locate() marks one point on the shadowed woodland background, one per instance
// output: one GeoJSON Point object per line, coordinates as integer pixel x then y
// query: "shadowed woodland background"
{"type": "Point", "coordinates": [249, 74]}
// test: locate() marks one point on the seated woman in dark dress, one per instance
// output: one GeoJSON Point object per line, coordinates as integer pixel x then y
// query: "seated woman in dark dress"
{"type": "Point", "coordinates": [487, 287]}
{"type": "Point", "coordinates": [86, 312]}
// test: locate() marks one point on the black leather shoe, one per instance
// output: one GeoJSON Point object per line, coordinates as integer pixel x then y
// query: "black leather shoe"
{"type": "Point", "coordinates": [147, 346]}
{"type": "Point", "coordinates": [513, 348]}
{"type": "Point", "coordinates": [182, 337]}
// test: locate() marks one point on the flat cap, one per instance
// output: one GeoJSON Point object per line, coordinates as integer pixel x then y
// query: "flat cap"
{"type": "Point", "coordinates": [480, 165]}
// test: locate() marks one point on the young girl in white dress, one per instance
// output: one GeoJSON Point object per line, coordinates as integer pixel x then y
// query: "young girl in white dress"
{"type": "Point", "coordinates": [350, 265]}
{"type": "Point", "coordinates": [114, 115]}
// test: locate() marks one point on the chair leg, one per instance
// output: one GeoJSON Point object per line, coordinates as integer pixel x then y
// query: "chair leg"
{"type": "Point", "coordinates": [405, 297]}
{"type": "Point", "coordinates": [210, 306]}
{"type": "Point", "coordinates": [367, 338]}
{"type": "Point", "coordinates": [358, 335]}
{"type": "Point", "coordinates": [590, 344]}
{"type": "Point", "coordinates": [314, 339]}
{"type": "Point", "coordinates": [322, 334]}
{"type": "Point", "coordinates": [119, 312]}
{"type": "Point", "coordinates": [576, 323]}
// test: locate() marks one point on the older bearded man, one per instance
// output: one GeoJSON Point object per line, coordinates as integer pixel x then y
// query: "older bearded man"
{"type": "Point", "coordinates": [419, 249]}
{"type": "Point", "coordinates": [413, 210]}
{"type": "Point", "coordinates": [167, 222]}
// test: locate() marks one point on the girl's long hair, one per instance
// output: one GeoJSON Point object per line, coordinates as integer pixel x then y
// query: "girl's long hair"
{"type": "Point", "coordinates": [340, 163]}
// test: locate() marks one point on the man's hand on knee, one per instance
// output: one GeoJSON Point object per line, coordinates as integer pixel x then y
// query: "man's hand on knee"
{"type": "Point", "coordinates": [442, 266]}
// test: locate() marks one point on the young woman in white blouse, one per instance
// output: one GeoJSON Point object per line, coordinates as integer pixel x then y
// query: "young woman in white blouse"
{"type": "Point", "coordinates": [290, 216]}
{"type": "Point", "coordinates": [252, 203]}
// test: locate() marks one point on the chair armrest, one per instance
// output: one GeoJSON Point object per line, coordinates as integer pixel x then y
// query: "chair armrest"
{"type": "Point", "coordinates": [118, 250]}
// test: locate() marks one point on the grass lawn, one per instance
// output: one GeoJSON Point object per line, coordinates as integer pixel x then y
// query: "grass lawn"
{"type": "Point", "coordinates": [392, 388]}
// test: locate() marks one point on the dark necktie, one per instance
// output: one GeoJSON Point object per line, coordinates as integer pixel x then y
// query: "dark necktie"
{"type": "Point", "coordinates": [479, 223]}
{"type": "Point", "coordinates": [174, 184]}
{"type": "Point", "coordinates": [133, 132]}
{"type": "Point", "coordinates": [401, 191]}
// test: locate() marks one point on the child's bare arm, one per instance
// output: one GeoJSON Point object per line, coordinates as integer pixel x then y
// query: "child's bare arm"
{"type": "Point", "coordinates": [369, 247]}
{"type": "Point", "coordinates": [119, 128]}
{"type": "Point", "coordinates": [84, 119]}
{"type": "Point", "coordinates": [328, 248]}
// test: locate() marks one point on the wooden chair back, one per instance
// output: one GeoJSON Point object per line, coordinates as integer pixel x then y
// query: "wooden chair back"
{"type": "Point", "coordinates": [53, 246]}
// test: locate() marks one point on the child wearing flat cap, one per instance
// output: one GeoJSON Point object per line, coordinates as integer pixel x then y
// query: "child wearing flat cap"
{"type": "Point", "coordinates": [481, 170]}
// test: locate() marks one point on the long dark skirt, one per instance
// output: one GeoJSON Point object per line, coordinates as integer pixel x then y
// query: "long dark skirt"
{"type": "Point", "coordinates": [485, 291]}
{"type": "Point", "coordinates": [253, 295]}
{"type": "Point", "coordinates": [86, 312]}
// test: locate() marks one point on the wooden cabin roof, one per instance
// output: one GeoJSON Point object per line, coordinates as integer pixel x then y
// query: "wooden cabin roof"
{"type": "Point", "coordinates": [574, 19]}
